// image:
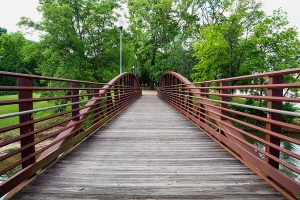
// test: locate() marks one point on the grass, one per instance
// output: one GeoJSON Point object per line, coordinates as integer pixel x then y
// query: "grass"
{"type": "Point", "coordinates": [14, 133]}
{"type": "Point", "coordinates": [235, 100]}
{"type": "Point", "coordinates": [15, 120]}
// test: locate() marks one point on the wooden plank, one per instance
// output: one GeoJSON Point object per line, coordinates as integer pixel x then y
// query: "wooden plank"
{"type": "Point", "coordinates": [149, 152]}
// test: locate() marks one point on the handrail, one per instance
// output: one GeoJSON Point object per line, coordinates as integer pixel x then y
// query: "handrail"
{"type": "Point", "coordinates": [36, 77]}
{"type": "Point", "coordinates": [259, 75]}
{"type": "Point", "coordinates": [42, 140]}
{"type": "Point", "coordinates": [252, 133]}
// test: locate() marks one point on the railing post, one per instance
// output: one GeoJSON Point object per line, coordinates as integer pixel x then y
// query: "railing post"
{"type": "Point", "coordinates": [164, 91]}
{"type": "Point", "coordinates": [223, 98]}
{"type": "Point", "coordinates": [98, 106]}
{"type": "Point", "coordinates": [274, 92]}
{"type": "Point", "coordinates": [180, 95]}
{"type": "Point", "coordinates": [96, 91]}
{"type": "Point", "coordinates": [190, 103]}
{"type": "Point", "coordinates": [121, 88]}
{"type": "Point", "coordinates": [131, 85]}
{"type": "Point", "coordinates": [177, 91]}
{"type": "Point", "coordinates": [185, 98]}
{"type": "Point", "coordinates": [163, 94]}
{"type": "Point", "coordinates": [75, 108]}
{"type": "Point", "coordinates": [202, 110]}
{"type": "Point", "coordinates": [116, 94]}
{"type": "Point", "coordinates": [24, 106]}
{"type": "Point", "coordinates": [109, 102]}
{"type": "Point", "coordinates": [124, 85]}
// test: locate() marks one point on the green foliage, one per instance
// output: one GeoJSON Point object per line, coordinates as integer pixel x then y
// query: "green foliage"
{"type": "Point", "coordinates": [247, 41]}
{"type": "Point", "coordinates": [289, 107]}
{"type": "Point", "coordinates": [12, 52]}
{"type": "Point", "coordinates": [80, 39]}
{"type": "Point", "coordinates": [16, 55]}
{"type": "Point", "coordinates": [2, 31]}
{"type": "Point", "coordinates": [160, 31]}
{"type": "Point", "coordinates": [211, 51]}
{"type": "Point", "coordinates": [15, 120]}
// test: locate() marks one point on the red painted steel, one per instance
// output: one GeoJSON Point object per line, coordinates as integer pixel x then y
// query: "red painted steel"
{"type": "Point", "coordinates": [43, 140]}
{"type": "Point", "coordinates": [278, 92]}
{"type": "Point", "coordinates": [252, 135]}
{"type": "Point", "coordinates": [23, 106]}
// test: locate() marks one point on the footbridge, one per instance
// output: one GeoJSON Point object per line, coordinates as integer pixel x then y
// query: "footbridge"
{"type": "Point", "coordinates": [232, 138]}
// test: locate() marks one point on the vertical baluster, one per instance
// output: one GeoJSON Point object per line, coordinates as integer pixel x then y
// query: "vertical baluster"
{"type": "Point", "coordinates": [177, 91]}
{"type": "Point", "coordinates": [98, 106]}
{"type": "Point", "coordinates": [131, 86]}
{"type": "Point", "coordinates": [202, 110]}
{"type": "Point", "coordinates": [163, 87]}
{"type": "Point", "coordinates": [25, 106]}
{"type": "Point", "coordinates": [120, 90]}
{"type": "Point", "coordinates": [109, 102]}
{"type": "Point", "coordinates": [186, 98]}
{"type": "Point", "coordinates": [224, 98]}
{"type": "Point", "coordinates": [274, 92]}
{"type": "Point", "coordinates": [166, 88]}
{"type": "Point", "coordinates": [124, 85]}
{"type": "Point", "coordinates": [190, 103]}
{"type": "Point", "coordinates": [75, 108]}
{"type": "Point", "coordinates": [117, 97]}
{"type": "Point", "coordinates": [171, 89]}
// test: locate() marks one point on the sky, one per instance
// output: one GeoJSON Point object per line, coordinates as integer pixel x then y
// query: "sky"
{"type": "Point", "coordinates": [12, 10]}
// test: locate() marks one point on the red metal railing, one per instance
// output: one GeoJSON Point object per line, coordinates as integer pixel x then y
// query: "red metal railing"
{"type": "Point", "coordinates": [250, 116]}
{"type": "Point", "coordinates": [40, 135]}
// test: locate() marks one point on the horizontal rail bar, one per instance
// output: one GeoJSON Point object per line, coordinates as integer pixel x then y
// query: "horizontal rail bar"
{"type": "Point", "coordinates": [267, 74]}
{"type": "Point", "coordinates": [266, 86]}
{"type": "Point", "coordinates": [295, 114]}
{"type": "Point", "coordinates": [267, 98]}
{"type": "Point", "coordinates": [18, 75]}
{"type": "Point", "coordinates": [40, 109]}
{"type": "Point", "coordinates": [18, 88]}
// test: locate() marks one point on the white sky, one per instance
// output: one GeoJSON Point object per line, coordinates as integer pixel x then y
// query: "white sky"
{"type": "Point", "coordinates": [12, 10]}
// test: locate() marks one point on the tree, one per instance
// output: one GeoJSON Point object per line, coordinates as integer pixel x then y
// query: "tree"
{"type": "Point", "coordinates": [275, 46]}
{"type": "Point", "coordinates": [211, 50]}
{"type": "Point", "coordinates": [160, 31]}
{"type": "Point", "coordinates": [11, 51]}
{"type": "Point", "coordinates": [80, 39]}
{"type": "Point", "coordinates": [16, 55]}
{"type": "Point", "coordinates": [247, 41]}
{"type": "Point", "coordinates": [2, 31]}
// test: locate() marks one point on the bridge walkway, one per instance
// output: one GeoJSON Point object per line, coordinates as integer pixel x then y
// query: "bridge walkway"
{"type": "Point", "coordinates": [149, 151]}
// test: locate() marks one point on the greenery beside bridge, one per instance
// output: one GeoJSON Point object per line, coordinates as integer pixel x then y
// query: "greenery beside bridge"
{"type": "Point", "coordinates": [199, 39]}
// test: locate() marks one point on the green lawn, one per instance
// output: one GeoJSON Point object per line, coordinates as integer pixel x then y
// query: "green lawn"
{"type": "Point", "coordinates": [15, 120]}
{"type": "Point", "coordinates": [235, 100]}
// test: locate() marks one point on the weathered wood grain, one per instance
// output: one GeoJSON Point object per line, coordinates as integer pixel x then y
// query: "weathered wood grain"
{"type": "Point", "coordinates": [149, 152]}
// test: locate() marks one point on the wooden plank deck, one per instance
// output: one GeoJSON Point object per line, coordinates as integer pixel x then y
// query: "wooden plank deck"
{"type": "Point", "coordinates": [149, 152]}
